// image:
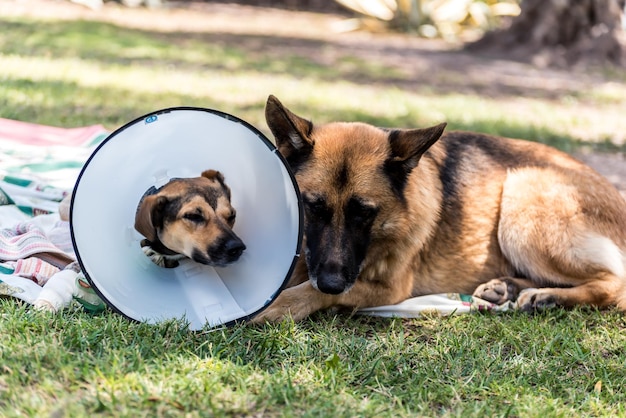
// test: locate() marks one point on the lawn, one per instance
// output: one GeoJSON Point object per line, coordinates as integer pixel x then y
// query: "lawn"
{"type": "Point", "coordinates": [550, 364]}
{"type": "Point", "coordinates": [63, 65]}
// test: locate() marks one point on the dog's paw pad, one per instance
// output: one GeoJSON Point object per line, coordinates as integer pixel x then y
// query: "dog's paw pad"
{"type": "Point", "coordinates": [495, 291]}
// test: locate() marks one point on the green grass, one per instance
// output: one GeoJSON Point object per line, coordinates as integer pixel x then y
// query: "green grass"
{"type": "Point", "coordinates": [549, 364]}
{"type": "Point", "coordinates": [71, 73]}
{"type": "Point", "coordinates": [74, 73]}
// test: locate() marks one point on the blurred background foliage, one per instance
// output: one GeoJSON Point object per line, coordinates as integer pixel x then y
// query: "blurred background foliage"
{"type": "Point", "coordinates": [448, 19]}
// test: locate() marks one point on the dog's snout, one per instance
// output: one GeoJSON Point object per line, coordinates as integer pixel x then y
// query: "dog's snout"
{"type": "Point", "coordinates": [226, 251]}
{"type": "Point", "coordinates": [331, 279]}
{"type": "Point", "coordinates": [234, 248]}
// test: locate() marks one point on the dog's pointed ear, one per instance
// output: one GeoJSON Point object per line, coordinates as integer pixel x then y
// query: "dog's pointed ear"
{"type": "Point", "coordinates": [407, 147]}
{"type": "Point", "coordinates": [292, 132]}
{"type": "Point", "coordinates": [219, 177]}
{"type": "Point", "coordinates": [149, 216]}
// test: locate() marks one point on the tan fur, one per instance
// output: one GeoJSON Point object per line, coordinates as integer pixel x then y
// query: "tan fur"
{"type": "Point", "coordinates": [183, 236]}
{"type": "Point", "coordinates": [528, 219]}
{"type": "Point", "coordinates": [187, 223]}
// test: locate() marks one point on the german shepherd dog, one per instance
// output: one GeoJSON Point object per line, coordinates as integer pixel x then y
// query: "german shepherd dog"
{"type": "Point", "coordinates": [394, 213]}
{"type": "Point", "coordinates": [189, 217]}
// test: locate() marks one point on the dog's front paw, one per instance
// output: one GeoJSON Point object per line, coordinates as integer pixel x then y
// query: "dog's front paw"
{"type": "Point", "coordinates": [278, 311]}
{"type": "Point", "coordinates": [536, 299]}
{"type": "Point", "coordinates": [270, 315]}
{"type": "Point", "coordinates": [497, 291]}
{"type": "Point", "coordinates": [296, 302]}
{"type": "Point", "coordinates": [159, 259]}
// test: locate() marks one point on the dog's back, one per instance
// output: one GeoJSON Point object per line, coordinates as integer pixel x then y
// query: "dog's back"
{"type": "Point", "coordinates": [520, 209]}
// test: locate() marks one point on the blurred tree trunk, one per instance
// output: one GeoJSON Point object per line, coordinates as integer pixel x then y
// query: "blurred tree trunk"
{"type": "Point", "coordinates": [561, 33]}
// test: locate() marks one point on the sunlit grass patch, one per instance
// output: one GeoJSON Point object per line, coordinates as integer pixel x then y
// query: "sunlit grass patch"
{"type": "Point", "coordinates": [518, 364]}
{"type": "Point", "coordinates": [90, 92]}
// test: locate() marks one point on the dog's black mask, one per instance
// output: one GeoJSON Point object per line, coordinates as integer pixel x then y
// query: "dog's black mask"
{"type": "Point", "coordinates": [336, 242]}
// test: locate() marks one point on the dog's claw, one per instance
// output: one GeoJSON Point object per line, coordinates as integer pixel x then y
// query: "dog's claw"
{"type": "Point", "coordinates": [535, 299]}
{"type": "Point", "coordinates": [270, 315]}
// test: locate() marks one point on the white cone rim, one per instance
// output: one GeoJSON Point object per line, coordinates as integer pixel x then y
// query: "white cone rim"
{"type": "Point", "coordinates": [183, 142]}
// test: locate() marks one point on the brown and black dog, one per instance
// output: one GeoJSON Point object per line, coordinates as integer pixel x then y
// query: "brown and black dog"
{"type": "Point", "coordinates": [189, 217]}
{"type": "Point", "coordinates": [394, 213]}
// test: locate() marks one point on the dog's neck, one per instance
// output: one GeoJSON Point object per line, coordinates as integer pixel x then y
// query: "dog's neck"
{"type": "Point", "coordinates": [159, 247]}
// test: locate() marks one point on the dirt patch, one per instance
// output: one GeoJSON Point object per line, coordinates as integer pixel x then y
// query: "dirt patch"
{"type": "Point", "coordinates": [440, 66]}
{"type": "Point", "coordinates": [612, 166]}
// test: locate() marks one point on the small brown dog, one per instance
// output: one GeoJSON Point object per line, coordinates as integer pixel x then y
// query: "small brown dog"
{"type": "Point", "coordinates": [189, 217]}
{"type": "Point", "coordinates": [395, 213]}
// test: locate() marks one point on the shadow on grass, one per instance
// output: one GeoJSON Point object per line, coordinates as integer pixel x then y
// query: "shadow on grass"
{"type": "Point", "coordinates": [487, 125]}
{"type": "Point", "coordinates": [66, 104]}
{"type": "Point", "coordinates": [409, 67]}
{"type": "Point", "coordinates": [59, 103]}
{"type": "Point", "coordinates": [361, 64]}
{"type": "Point", "coordinates": [108, 44]}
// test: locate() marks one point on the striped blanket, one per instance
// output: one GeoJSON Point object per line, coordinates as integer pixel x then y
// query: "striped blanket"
{"type": "Point", "coordinates": [39, 166]}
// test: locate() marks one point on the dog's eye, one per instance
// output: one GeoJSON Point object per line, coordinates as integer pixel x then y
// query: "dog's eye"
{"type": "Point", "coordinates": [360, 212]}
{"type": "Point", "coordinates": [316, 207]}
{"type": "Point", "coordinates": [231, 218]}
{"type": "Point", "coordinates": [194, 217]}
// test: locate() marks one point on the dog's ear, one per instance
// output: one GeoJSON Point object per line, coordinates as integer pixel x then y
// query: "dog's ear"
{"type": "Point", "coordinates": [149, 216]}
{"type": "Point", "coordinates": [213, 175]}
{"type": "Point", "coordinates": [219, 177]}
{"type": "Point", "coordinates": [407, 147]}
{"type": "Point", "coordinates": [292, 132]}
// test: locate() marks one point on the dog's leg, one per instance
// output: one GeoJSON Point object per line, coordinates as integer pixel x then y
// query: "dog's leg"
{"type": "Point", "coordinates": [567, 235]}
{"type": "Point", "coordinates": [599, 293]}
{"type": "Point", "coordinates": [502, 289]}
{"type": "Point", "coordinates": [302, 300]}
{"type": "Point", "coordinates": [298, 302]}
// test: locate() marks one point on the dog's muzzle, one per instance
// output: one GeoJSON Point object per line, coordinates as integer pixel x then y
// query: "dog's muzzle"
{"type": "Point", "coordinates": [331, 279]}
{"type": "Point", "coordinates": [222, 253]}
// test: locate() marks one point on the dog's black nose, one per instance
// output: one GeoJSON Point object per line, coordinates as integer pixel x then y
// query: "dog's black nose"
{"type": "Point", "coordinates": [222, 253]}
{"type": "Point", "coordinates": [332, 285]}
{"type": "Point", "coordinates": [234, 249]}
{"type": "Point", "coordinates": [331, 279]}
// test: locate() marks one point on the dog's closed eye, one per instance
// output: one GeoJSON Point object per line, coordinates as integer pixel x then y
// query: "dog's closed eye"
{"type": "Point", "coordinates": [194, 217]}
{"type": "Point", "coordinates": [317, 208]}
{"type": "Point", "coordinates": [360, 212]}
